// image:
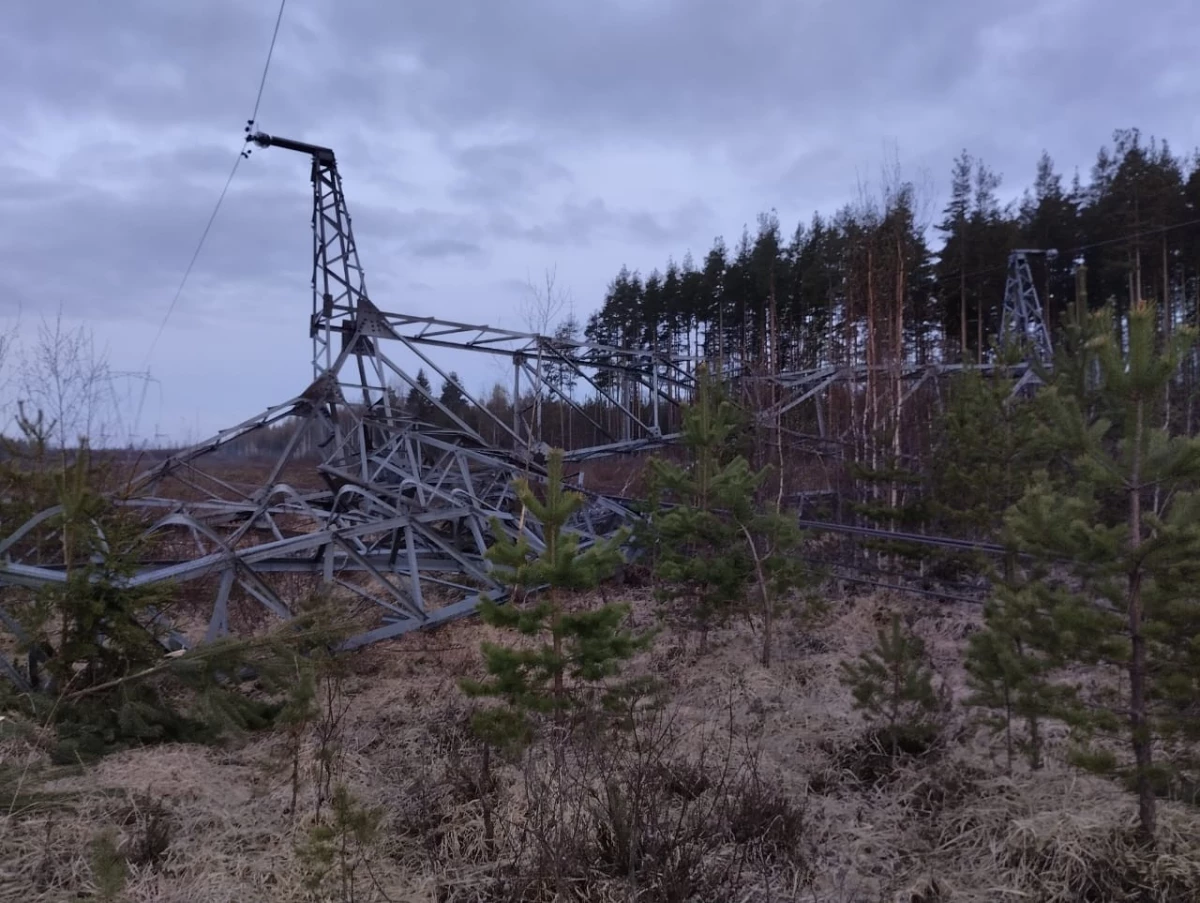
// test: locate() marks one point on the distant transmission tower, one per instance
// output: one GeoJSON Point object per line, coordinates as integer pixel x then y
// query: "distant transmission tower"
{"type": "Point", "coordinates": [1023, 323]}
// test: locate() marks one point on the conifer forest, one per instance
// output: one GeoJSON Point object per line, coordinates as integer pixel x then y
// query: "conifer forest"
{"type": "Point", "coordinates": [891, 607]}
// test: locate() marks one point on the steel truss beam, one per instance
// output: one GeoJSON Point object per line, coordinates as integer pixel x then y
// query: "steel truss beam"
{"type": "Point", "coordinates": [793, 391]}
{"type": "Point", "coordinates": [405, 510]}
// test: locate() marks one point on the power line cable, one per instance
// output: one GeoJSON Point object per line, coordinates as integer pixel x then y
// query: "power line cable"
{"type": "Point", "coordinates": [225, 190]}
{"type": "Point", "coordinates": [1091, 246]}
{"type": "Point", "coordinates": [216, 208]}
{"type": "Point", "coordinates": [192, 263]}
{"type": "Point", "coordinates": [267, 65]}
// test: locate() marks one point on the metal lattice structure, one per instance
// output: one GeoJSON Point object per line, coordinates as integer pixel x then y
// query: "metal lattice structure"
{"type": "Point", "coordinates": [397, 507]}
{"type": "Point", "coordinates": [1023, 323]}
{"type": "Point", "coordinates": [405, 509]}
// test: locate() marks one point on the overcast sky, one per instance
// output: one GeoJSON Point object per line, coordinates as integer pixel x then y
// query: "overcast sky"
{"type": "Point", "coordinates": [483, 141]}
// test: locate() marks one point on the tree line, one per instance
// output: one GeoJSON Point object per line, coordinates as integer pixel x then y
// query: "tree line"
{"type": "Point", "coordinates": [864, 285]}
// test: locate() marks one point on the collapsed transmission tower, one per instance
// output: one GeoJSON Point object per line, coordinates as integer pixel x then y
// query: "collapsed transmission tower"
{"type": "Point", "coordinates": [400, 502]}
{"type": "Point", "coordinates": [402, 509]}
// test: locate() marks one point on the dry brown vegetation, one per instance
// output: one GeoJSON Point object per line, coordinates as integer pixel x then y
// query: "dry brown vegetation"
{"type": "Point", "coordinates": [754, 784]}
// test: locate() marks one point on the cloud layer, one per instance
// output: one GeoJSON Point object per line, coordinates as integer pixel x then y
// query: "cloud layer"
{"type": "Point", "coordinates": [482, 142]}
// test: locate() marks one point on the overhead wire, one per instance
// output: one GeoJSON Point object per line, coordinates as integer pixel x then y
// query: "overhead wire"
{"type": "Point", "coordinates": [1090, 246]}
{"type": "Point", "coordinates": [900, 588]}
{"type": "Point", "coordinates": [262, 83]}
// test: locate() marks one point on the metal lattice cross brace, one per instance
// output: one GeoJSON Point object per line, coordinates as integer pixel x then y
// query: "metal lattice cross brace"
{"type": "Point", "coordinates": [405, 510]}
{"type": "Point", "coordinates": [1023, 323]}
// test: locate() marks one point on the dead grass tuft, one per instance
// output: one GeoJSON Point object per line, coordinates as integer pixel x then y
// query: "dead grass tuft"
{"type": "Point", "coordinates": [761, 785]}
{"type": "Point", "coordinates": [1060, 838]}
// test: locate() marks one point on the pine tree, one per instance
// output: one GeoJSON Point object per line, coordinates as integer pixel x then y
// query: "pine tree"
{"type": "Point", "coordinates": [418, 402]}
{"type": "Point", "coordinates": [698, 554]}
{"type": "Point", "coordinates": [453, 399]}
{"type": "Point", "coordinates": [579, 650]}
{"type": "Point", "coordinates": [96, 647]}
{"type": "Point", "coordinates": [713, 543]}
{"type": "Point", "coordinates": [893, 684]}
{"type": "Point", "coordinates": [1008, 665]}
{"type": "Point", "coordinates": [1125, 513]}
{"type": "Point", "coordinates": [991, 443]}
{"type": "Point", "coordinates": [980, 462]}
{"type": "Point", "coordinates": [452, 394]}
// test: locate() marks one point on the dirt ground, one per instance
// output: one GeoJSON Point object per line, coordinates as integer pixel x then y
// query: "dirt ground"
{"type": "Point", "coordinates": [222, 829]}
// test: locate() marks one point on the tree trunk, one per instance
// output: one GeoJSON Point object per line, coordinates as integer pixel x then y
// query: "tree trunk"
{"type": "Point", "coordinates": [871, 406]}
{"type": "Point", "coordinates": [898, 365]}
{"type": "Point", "coordinates": [1139, 728]}
{"type": "Point", "coordinates": [485, 799]}
{"type": "Point", "coordinates": [962, 310]}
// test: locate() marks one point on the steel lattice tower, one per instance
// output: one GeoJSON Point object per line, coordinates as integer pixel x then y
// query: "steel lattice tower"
{"type": "Point", "coordinates": [1023, 323]}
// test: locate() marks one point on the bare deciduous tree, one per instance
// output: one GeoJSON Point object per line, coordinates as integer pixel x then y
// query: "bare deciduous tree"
{"type": "Point", "coordinates": [69, 380]}
{"type": "Point", "coordinates": [7, 341]}
{"type": "Point", "coordinates": [544, 304]}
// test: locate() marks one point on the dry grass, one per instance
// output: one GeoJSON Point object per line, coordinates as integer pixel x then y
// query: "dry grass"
{"type": "Point", "coordinates": [214, 825]}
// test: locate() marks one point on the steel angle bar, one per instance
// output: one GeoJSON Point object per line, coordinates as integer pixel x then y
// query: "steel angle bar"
{"type": "Point", "coordinates": [14, 573]}
{"type": "Point", "coordinates": [620, 448]}
{"type": "Point", "coordinates": [487, 338]}
{"type": "Point", "coordinates": [794, 378]}
{"type": "Point", "coordinates": [22, 531]}
{"type": "Point", "coordinates": [1028, 378]}
{"type": "Point", "coordinates": [218, 622]}
{"type": "Point", "coordinates": [400, 320]}
{"type": "Point", "coordinates": [254, 585]}
{"type": "Point", "coordinates": [473, 566]}
{"type": "Point", "coordinates": [814, 391]}
{"type": "Point", "coordinates": [362, 592]}
{"type": "Point", "coordinates": [633, 418]}
{"type": "Point", "coordinates": [414, 571]}
{"type": "Point", "coordinates": [411, 607]}
{"type": "Point", "coordinates": [207, 564]}
{"type": "Point", "coordinates": [222, 438]}
{"type": "Point", "coordinates": [912, 390]}
{"type": "Point", "coordinates": [306, 501]}
{"type": "Point", "coordinates": [428, 396]}
{"type": "Point", "coordinates": [438, 616]}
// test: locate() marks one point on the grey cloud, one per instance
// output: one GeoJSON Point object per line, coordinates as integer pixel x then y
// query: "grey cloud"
{"type": "Point", "coordinates": [507, 172]}
{"type": "Point", "coordinates": [467, 128]}
{"type": "Point", "coordinates": [516, 287]}
{"type": "Point", "coordinates": [708, 66]}
{"type": "Point", "coordinates": [136, 60]}
{"type": "Point", "coordinates": [121, 250]}
{"type": "Point", "coordinates": [740, 75]}
{"type": "Point", "coordinates": [432, 234]}
{"type": "Point", "coordinates": [582, 223]}
{"type": "Point", "coordinates": [444, 248]}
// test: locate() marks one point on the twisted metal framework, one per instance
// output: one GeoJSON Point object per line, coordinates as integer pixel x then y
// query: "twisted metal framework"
{"type": "Point", "coordinates": [403, 510]}
{"type": "Point", "coordinates": [1024, 340]}
{"type": "Point", "coordinates": [396, 511]}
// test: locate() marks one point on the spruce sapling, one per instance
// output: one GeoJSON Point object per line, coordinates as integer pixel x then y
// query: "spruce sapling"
{"type": "Point", "coordinates": [580, 650]}
{"type": "Point", "coordinates": [893, 684]}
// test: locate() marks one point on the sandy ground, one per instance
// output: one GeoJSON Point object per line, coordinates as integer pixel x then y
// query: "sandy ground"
{"type": "Point", "coordinates": [956, 829]}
